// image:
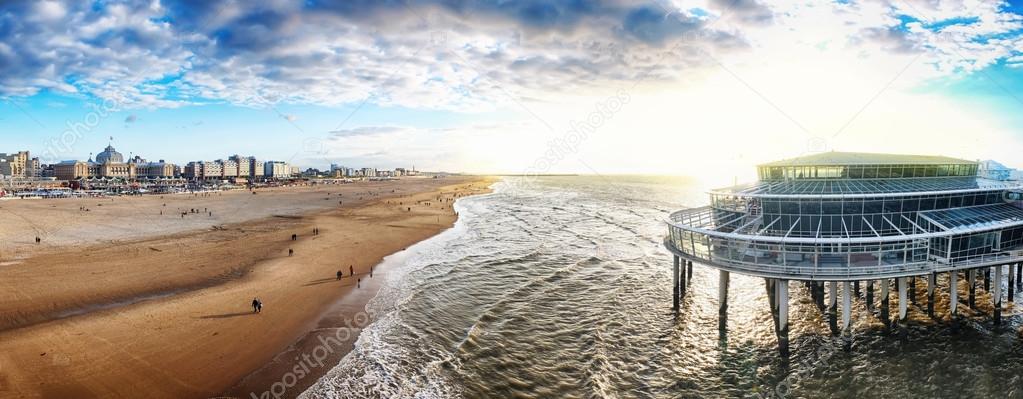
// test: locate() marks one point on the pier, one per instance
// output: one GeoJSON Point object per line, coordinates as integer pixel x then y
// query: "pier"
{"type": "Point", "coordinates": [843, 224]}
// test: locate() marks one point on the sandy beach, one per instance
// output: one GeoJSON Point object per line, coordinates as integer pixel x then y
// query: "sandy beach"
{"type": "Point", "coordinates": [119, 300]}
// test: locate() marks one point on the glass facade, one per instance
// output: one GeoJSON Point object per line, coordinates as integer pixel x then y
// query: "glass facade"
{"type": "Point", "coordinates": [810, 172]}
{"type": "Point", "coordinates": [900, 219]}
{"type": "Point", "coordinates": [799, 216]}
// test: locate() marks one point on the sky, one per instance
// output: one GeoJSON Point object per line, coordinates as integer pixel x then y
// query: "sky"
{"type": "Point", "coordinates": [702, 88]}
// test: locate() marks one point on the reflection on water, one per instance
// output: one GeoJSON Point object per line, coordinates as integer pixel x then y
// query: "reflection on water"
{"type": "Point", "coordinates": [561, 289]}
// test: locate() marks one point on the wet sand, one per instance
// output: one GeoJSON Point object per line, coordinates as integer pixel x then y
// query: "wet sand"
{"type": "Point", "coordinates": [124, 312]}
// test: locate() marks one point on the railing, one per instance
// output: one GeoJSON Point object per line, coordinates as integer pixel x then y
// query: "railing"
{"type": "Point", "coordinates": [808, 261]}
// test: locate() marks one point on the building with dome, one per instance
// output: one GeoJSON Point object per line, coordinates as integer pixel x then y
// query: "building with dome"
{"type": "Point", "coordinates": [109, 155]}
{"type": "Point", "coordinates": [847, 220]}
{"type": "Point", "coordinates": [110, 164]}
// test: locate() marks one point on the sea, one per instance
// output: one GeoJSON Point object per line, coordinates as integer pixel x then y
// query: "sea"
{"type": "Point", "coordinates": [559, 287]}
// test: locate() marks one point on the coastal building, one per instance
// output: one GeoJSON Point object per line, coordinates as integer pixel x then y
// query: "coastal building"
{"type": "Point", "coordinates": [15, 165]}
{"type": "Point", "coordinates": [369, 172]}
{"type": "Point", "coordinates": [34, 168]}
{"type": "Point", "coordinates": [995, 171]}
{"type": "Point", "coordinates": [212, 170]}
{"type": "Point", "coordinates": [258, 168]}
{"type": "Point", "coordinates": [71, 170]}
{"type": "Point", "coordinates": [229, 169]}
{"type": "Point", "coordinates": [276, 170]}
{"type": "Point", "coordinates": [109, 155]}
{"type": "Point", "coordinates": [855, 219]}
{"type": "Point", "coordinates": [117, 170]}
{"type": "Point", "coordinates": [243, 165]}
{"type": "Point", "coordinates": [108, 164]}
{"type": "Point", "coordinates": [235, 168]}
{"type": "Point", "coordinates": [46, 171]}
{"type": "Point", "coordinates": [192, 171]}
{"type": "Point", "coordinates": [155, 170]}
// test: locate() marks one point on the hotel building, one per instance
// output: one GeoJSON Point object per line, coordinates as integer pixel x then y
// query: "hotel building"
{"type": "Point", "coordinates": [854, 218]}
{"type": "Point", "coordinates": [110, 164]}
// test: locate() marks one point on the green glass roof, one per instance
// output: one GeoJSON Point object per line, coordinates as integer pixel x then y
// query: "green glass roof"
{"type": "Point", "coordinates": [866, 158]}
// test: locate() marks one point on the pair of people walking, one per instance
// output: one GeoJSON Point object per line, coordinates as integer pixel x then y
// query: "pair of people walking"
{"type": "Point", "coordinates": [257, 305]}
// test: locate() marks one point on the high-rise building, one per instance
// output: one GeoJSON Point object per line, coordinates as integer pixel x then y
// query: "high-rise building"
{"type": "Point", "coordinates": [14, 165]}
{"type": "Point", "coordinates": [276, 169]}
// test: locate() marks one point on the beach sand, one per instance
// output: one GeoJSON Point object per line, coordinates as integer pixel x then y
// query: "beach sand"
{"type": "Point", "coordinates": [124, 302]}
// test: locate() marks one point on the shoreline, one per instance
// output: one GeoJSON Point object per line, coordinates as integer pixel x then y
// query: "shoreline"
{"type": "Point", "coordinates": [196, 343]}
{"type": "Point", "coordinates": [314, 355]}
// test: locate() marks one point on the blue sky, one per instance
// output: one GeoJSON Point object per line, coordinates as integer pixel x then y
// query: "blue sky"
{"type": "Point", "coordinates": [512, 86]}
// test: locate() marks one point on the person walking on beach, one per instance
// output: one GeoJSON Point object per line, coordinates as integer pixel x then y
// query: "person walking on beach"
{"type": "Point", "coordinates": [256, 305]}
{"type": "Point", "coordinates": [291, 251]}
{"type": "Point", "coordinates": [339, 275]}
{"type": "Point", "coordinates": [351, 270]}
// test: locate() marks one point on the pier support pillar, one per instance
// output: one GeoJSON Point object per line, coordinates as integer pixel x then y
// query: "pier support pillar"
{"type": "Point", "coordinates": [833, 306]}
{"type": "Point", "coordinates": [722, 299]}
{"type": "Point", "coordinates": [902, 299]}
{"type": "Point", "coordinates": [912, 289]}
{"type": "Point", "coordinates": [932, 280]}
{"type": "Point", "coordinates": [971, 280]}
{"type": "Point", "coordinates": [996, 294]}
{"type": "Point", "coordinates": [987, 280]}
{"type": "Point", "coordinates": [870, 295]}
{"type": "Point", "coordinates": [953, 292]}
{"type": "Point", "coordinates": [675, 282]}
{"type": "Point", "coordinates": [819, 286]}
{"type": "Point", "coordinates": [846, 305]}
{"type": "Point", "coordinates": [884, 284]}
{"type": "Point", "coordinates": [689, 275]}
{"type": "Point", "coordinates": [1012, 282]}
{"type": "Point", "coordinates": [682, 280]}
{"type": "Point", "coordinates": [812, 285]}
{"type": "Point", "coordinates": [782, 301]}
{"type": "Point", "coordinates": [856, 289]}
{"type": "Point", "coordinates": [1019, 272]}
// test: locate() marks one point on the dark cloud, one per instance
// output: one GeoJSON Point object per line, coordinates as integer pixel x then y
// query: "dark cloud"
{"type": "Point", "coordinates": [892, 39]}
{"type": "Point", "coordinates": [745, 11]}
{"type": "Point", "coordinates": [654, 25]}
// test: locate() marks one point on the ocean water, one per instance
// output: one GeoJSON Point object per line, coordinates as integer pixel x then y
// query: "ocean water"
{"type": "Point", "coordinates": [561, 289]}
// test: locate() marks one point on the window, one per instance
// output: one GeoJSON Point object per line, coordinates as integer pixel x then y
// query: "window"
{"type": "Point", "coordinates": [897, 171]}
{"type": "Point", "coordinates": [943, 170]}
{"type": "Point", "coordinates": [883, 172]}
{"type": "Point", "coordinates": [855, 172]}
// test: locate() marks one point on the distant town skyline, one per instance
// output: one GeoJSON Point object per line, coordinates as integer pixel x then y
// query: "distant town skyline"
{"type": "Point", "coordinates": [517, 87]}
